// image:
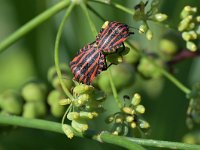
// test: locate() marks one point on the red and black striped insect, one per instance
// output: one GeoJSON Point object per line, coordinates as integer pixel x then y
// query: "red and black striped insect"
{"type": "Point", "coordinates": [88, 63]}
{"type": "Point", "coordinates": [111, 36]}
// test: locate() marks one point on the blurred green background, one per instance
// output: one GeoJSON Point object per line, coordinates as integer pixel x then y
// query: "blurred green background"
{"type": "Point", "coordinates": [33, 55]}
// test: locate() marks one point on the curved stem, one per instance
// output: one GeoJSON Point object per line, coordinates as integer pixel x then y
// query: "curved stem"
{"type": "Point", "coordinates": [162, 70]}
{"type": "Point", "coordinates": [32, 24]}
{"type": "Point", "coordinates": [56, 50]}
{"type": "Point", "coordinates": [125, 142]}
{"type": "Point", "coordinates": [116, 5]}
{"type": "Point", "coordinates": [109, 72]}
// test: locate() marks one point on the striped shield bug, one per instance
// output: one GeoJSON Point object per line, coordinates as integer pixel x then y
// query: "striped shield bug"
{"type": "Point", "coordinates": [88, 63]}
{"type": "Point", "coordinates": [111, 36]}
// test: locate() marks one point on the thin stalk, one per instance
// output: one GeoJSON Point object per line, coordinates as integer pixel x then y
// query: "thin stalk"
{"type": "Point", "coordinates": [26, 28]}
{"type": "Point", "coordinates": [92, 26]}
{"type": "Point", "coordinates": [95, 12]}
{"type": "Point", "coordinates": [169, 76]}
{"type": "Point", "coordinates": [114, 90]}
{"type": "Point", "coordinates": [56, 50]}
{"type": "Point", "coordinates": [109, 72]}
{"type": "Point", "coordinates": [126, 142]}
{"type": "Point", "coordinates": [116, 5]}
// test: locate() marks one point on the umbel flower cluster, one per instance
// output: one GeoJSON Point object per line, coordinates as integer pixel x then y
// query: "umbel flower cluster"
{"type": "Point", "coordinates": [190, 26]}
{"type": "Point", "coordinates": [130, 117]}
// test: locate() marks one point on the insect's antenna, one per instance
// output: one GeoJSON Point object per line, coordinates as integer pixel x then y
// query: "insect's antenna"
{"type": "Point", "coordinates": [136, 29]}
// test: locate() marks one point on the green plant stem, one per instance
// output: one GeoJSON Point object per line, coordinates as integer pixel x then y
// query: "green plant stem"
{"type": "Point", "coordinates": [114, 90]}
{"type": "Point", "coordinates": [32, 24]}
{"type": "Point", "coordinates": [56, 50]}
{"type": "Point", "coordinates": [94, 31]}
{"type": "Point", "coordinates": [125, 142]}
{"type": "Point", "coordinates": [170, 77]}
{"type": "Point", "coordinates": [92, 26]}
{"type": "Point", "coordinates": [116, 5]}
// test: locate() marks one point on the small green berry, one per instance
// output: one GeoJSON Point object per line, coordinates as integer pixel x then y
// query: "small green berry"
{"type": "Point", "coordinates": [34, 91]}
{"type": "Point", "coordinates": [57, 110]}
{"type": "Point", "coordinates": [11, 102]}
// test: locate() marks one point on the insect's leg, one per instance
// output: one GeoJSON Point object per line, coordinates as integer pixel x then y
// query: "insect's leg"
{"type": "Point", "coordinates": [131, 33]}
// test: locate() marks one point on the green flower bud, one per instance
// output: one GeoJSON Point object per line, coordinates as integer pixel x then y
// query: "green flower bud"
{"type": "Point", "coordinates": [149, 34]}
{"type": "Point", "coordinates": [183, 25]}
{"type": "Point", "coordinates": [186, 36]}
{"type": "Point", "coordinates": [129, 119]}
{"type": "Point", "coordinates": [191, 46]}
{"type": "Point", "coordinates": [191, 35]}
{"type": "Point", "coordinates": [82, 88]}
{"type": "Point", "coordinates": [34, 92]}
{"type": "Point", "coordinates": [136, 99]}
{"type": "Point", "coordinates": [119, 119]}
{"type": "Point", "coordinates": [144, 125]}
{"type": "Point", "coordinates": [110, 119]}
{"type": "Point", "coordinates": [133, 125]}
{"type": "Point", "coordinates": [64, 101]}
{"type": "Point", "coordinates": [188, 10]}
{"type": "Point", "coordinates": [115, 133]}
{"type": "Point", "coordinates": [11, 102]}
{"type": "Point", "coordinates": [80, 125]}
{"type": "Point", "coordinates": [81, 100]}
{"type": "Point", "coordinates": [86, 115]}
{"type": "Point", "coordinates": [73, 115]}
{"type": "Point", "coordinates": [57, 110]}
{"type": "Point", "coordinates": [140, 109]}
{"type": "Point", "coordinates": [95, 114]}
{"type": "Point", "coordinates": [55, 96]}
{"type": "Point", "coordinates": [143, 28]}
{"type": "Point", "coordinates": [160, 17]}
{"type": "Point", "coordinates": [68, 131]}
{"type": "Point", "coordinates": [128, 110]}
